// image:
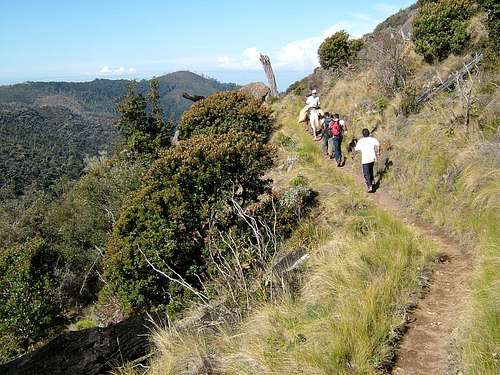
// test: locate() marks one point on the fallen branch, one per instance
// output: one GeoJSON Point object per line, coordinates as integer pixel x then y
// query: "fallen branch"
{"type": "Point", "coordinates": [193, 98]}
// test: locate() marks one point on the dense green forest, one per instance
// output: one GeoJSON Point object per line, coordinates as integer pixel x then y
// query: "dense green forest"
{"type": "Point", "coordinates": [50, 130]}
{"type": "Point", "coordinates": [96, 242]}
{"type": "Point", "coordinates": [39, 145]}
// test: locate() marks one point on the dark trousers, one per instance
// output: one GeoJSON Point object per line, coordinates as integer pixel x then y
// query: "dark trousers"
{"type": "Point", "coordinates": [337, 143]}
{"type": "Point", "coordinates": [324, 144]}
{"type": "Point", "coordinates": [368, 173]}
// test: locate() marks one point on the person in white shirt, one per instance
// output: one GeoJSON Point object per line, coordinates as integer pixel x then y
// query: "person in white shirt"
{"type": "Point", "coordinates": [370, 152]}
{"type": "Point", "coordinates": [313, 100]}
{"type": "Point", "coordinates": [314, 105]}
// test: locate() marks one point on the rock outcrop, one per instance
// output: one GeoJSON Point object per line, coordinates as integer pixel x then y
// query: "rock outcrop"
{"type": "Point", "coordinates": [258, 90]}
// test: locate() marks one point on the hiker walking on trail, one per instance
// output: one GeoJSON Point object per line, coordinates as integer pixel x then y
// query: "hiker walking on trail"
{"type": "Point", "coordinates": [314, 105]}
{"type": "Point", "coordinates": [325, 134]}
{"type": "Point", "coordinates": [337, 130]}
{"type": "Point", "coordinates": [370, 152]}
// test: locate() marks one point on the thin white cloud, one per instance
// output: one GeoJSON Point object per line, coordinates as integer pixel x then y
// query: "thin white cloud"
{"type": "Point", "coordinates": [364, 17]}
{"type": "Point", "coordinates": [303, 53]}
{"type": "Point", "coordinates": [224, 61]}
{"type": "Point", "coordinates": [251, 58]}
{"type": "Point", "coordinates": [297, 55]}
{"type": "Point", "coordinates": [248, 60]}
{"type": "Point", "coordinates": [119, 71]}
{"type": "Point", "coordinates": [300, 54]}
{"type": "Point", "coordinates": [105, 70]}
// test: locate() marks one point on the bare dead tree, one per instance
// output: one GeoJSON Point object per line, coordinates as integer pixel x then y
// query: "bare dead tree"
{"type": "Point", "coordinates": [465, 85]}
{"type": "Point", "coordinates": [450, 82]}
{"type": "Point", "coordinates": [231, 261]}
{"type": "Point", "coordinates": [176, 278]}
{"type": "Point", "coordinates": [268, 69]}
{"type": "Point", "coordinates": [193, 98]}
{"type": "Point", "coordinates": [392, 67]}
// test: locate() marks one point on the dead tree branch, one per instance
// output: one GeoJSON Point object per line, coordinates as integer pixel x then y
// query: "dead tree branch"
{"type": "Point", "coordinates": [193, 98]}
{"type": "Point", "coordinates": [268, 69]}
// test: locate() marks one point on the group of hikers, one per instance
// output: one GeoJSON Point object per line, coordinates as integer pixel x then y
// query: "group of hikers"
{"type": "Point", "coordinates": [330, 131]}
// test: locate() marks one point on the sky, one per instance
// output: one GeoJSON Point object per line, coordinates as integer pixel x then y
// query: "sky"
{"type": "Point", "coordinates": [80, 40]}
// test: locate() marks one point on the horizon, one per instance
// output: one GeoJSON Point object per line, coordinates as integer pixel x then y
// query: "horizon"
{"type": "Point", "coordinates": [72, 42]}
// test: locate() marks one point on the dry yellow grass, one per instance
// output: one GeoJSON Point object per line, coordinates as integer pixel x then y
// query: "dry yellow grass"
{"type": "Point", "coordinates": [450, 174]}
{"type": "Point", "coordinates": [365, 265]}
{"type": "Point", "coordinates": [363, 273]}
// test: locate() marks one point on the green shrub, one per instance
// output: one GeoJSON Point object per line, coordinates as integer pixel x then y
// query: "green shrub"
{"type": "Point", "coordinates": [79, 223]}
{"type": "Point", "coordinates": [273, 100]}
{"type": "Point", "coordinates": [223, 111]}
{"type": "Point", "coordinates": [337, 50]}
{"type": "Point", "coordinates": [492, 8]}
{"type": "Point", "coordinates": [299, 181]}
{"type": "Point", "coordinates": [141, 121]}
{"type": "Point", "coordinates": [298, 88]}
{"type": "Point", "coordinates": [285, 141]}
{"type": "Point", "coordinates": [28, 300]}
{"type": "Point", "coordinates": [381, 103]}
{"type": "Point", "coordinates": [183, 196]}
{"type": "Point", "coordinates": [409, 100]}
{"type": "Point", "coordinates": [441, 28]}
{"type": "Point", "coordinates": [84, 324]}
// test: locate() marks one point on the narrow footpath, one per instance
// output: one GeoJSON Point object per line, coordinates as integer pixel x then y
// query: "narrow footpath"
{"type": "Point", "coordinates": [425, 348]}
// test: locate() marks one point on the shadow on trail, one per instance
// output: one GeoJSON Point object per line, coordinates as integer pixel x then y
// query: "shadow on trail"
{"type": "Point", "coordinates": [381, 174]}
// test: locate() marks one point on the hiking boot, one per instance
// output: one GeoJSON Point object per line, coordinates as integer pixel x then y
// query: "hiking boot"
{"type": "Point", "coordinates": [370, 189]}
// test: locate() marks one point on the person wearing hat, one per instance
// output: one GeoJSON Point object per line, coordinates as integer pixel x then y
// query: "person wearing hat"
{"type": "Point", "coordinates": [314, 114]}
{"type": "Point", "coordinates": [313, 100]}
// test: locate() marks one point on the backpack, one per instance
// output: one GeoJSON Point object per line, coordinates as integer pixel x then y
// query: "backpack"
{"type": "Point", "coordinates": [326, 126]}
{"type": "Point", "coordinates": [335, 128]}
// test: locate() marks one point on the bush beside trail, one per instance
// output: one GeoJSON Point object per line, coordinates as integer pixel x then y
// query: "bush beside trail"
{"type": "Point", "coordinates": [29, 304]}
{"type": "Point", "coordinates": [441, 28]}
{"type": "Point", "coordinates": [221, 112]}
{"type": "Point", "coordinates": [167, 220]}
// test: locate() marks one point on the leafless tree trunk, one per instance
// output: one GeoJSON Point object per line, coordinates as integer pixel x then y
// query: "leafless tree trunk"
{"type": "Point", "coordinates": [465, 85]}
{"type": "Point", "coordinates": [453, 78]}
{"type": "Point", "coordinates": [266, 63]}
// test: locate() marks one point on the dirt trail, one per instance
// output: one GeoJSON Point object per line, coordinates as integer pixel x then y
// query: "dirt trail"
{"type": "Point", "coordinates": [425, 348]}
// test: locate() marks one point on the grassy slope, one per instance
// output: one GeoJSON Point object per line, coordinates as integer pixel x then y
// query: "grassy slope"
{"type": "Point", "coordinates": [366, 266]}
{"type": "Point", "coordinates": [450, 175]}
{"type": "Point", "coordinates": [366, 269]}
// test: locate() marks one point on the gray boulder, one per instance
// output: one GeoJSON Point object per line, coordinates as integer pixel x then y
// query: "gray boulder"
{"type": "Point", "coordinates": [258, 90]}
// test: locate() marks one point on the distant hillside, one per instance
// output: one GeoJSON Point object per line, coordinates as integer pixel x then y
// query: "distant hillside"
{"type": "Point", "coordinates": [48, 128]}
{"type": "Point", "coordinates": [38, 145]}
{"type": "Point", "coordinates": [102, 95]}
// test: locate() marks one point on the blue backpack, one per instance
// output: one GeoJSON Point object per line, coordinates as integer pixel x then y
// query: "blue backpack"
{"type": "Point", "coordinates": [326, 126]}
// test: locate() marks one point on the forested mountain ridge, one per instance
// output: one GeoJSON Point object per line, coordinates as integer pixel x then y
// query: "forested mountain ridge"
{"type": "Point", "coordinates": [49, 128]}
{"type": "Point", "coordinates": [102, 95]}
{"type": "Point", "coordinates": [40, 144]}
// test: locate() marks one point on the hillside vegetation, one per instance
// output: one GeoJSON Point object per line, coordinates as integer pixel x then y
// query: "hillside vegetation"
{"type": "Point", "coordinates": [344, 312]}
{"type": "Point", "coordinates": [49, 130]}
{"type": "Point", "coordinates": [365, 271]}
{"type": "Point", "coordinates": [265, 257]}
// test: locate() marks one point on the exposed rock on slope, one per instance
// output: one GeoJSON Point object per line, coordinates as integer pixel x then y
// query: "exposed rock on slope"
{"type": "Point", "coordinates": [257, 89]}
